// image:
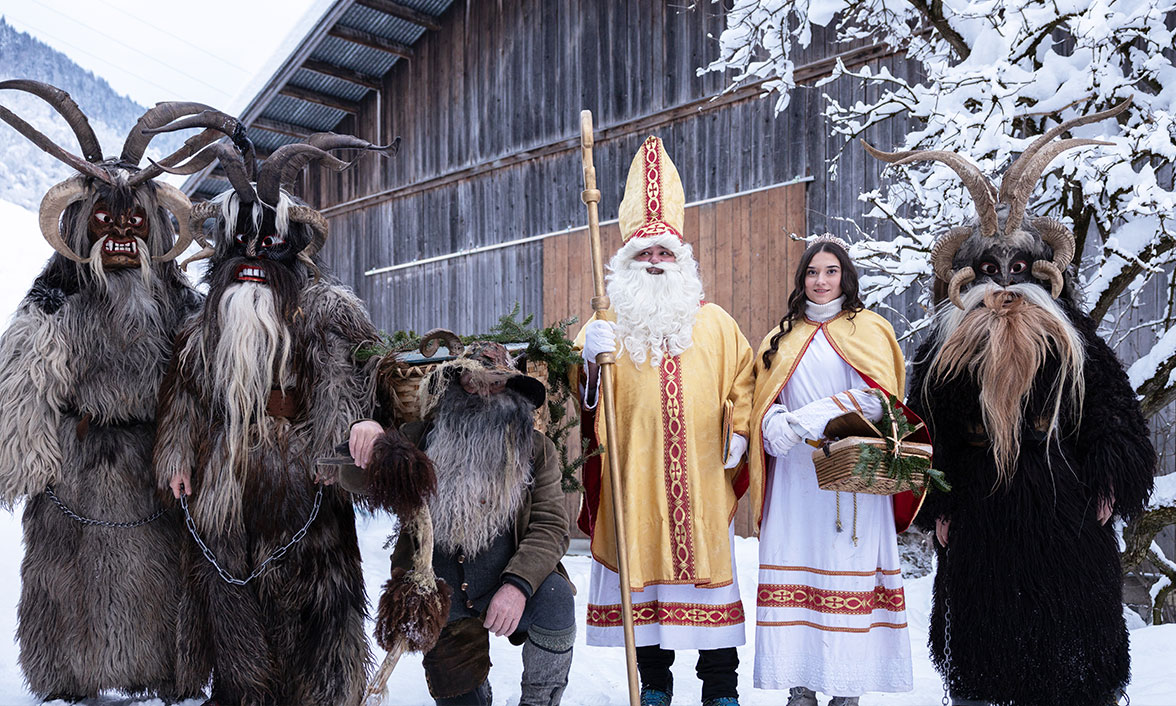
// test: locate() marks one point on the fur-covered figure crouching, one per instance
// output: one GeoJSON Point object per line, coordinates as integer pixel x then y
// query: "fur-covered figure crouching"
{"type": "Point", "coordinates": [265, 380]}
{"type": "Point", "coordinates": [1040, 435]}
{"type": "Point", "coordinates": [80, 371]}
{"type": "Point", "coordinates": [499, 530]}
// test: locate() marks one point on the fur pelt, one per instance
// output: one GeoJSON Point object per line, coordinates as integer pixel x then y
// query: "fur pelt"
{"type": "Point", "coordinates": [295, 635]}
{"type": "Point", "coordinates": [400, 476]}
{"type": "Point", "coordinates": [1042, 624]}
{"type": "Point", "coordinates": [481, 451]}
{"type": "Point", "coordinates": [414, 608]}
{"type": "Point", "coordinates": [80, 369]}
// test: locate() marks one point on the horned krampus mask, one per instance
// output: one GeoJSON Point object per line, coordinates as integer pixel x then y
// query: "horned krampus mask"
{"type": "Point", "coordinates": [1005, 246]}
{"type": "Point", "coordinates": [112, 213]}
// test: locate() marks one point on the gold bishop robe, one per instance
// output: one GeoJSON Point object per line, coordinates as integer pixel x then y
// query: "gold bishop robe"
{"type": "Point", "coordinates": [679, 500]}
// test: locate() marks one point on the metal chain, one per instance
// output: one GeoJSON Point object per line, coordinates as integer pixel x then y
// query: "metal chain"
{"type": "Point", "coordinates": [946, 636]}
{"type": "Point", "coordinates": [277, 553]}
{"type": "Point", "coordinates": [68, 512]}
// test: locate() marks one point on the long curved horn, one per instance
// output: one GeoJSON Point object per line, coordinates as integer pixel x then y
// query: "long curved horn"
{"type": "Point", "coordinates": [38, 139]}
{"type": "Point", "coordinates": [177, 202]}
{"type": "Point", "coordinates": [67, 108]}
{"type": "Point", "coordinates": [1019, 192]}
{"type": "Point", "coordinates": [1012, 176]}
{"type": "Point", "coordinates": [331, 141]}
{"type": "Point", "coordinates": [230, 160]}
{"type": "Point", "coordinates": [981, 189]}
{"type": "Point", "coordinates": [162, 114]}
{"type": "Point", "coordinates": [54, 203]}
{"type": "Point", "coordinates": [216, 122]}
{"type": "Point", "coordinates": [944, 250]}
{"type": "Point", "coordinates": [962, 277]}
{"type": "Point", "coordinates": [285, 163]}
{"type": "Point", "coordinates": [317, 223]}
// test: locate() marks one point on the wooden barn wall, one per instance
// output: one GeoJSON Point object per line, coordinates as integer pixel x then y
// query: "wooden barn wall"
{"type": "Point", "coordinates": [505, 79]}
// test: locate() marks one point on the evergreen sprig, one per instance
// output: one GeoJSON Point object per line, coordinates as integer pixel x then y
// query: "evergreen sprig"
{"type": "Point", "coordinates": [874, 462]}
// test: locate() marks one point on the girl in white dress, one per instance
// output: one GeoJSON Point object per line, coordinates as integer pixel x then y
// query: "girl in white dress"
{"type": "Point", "coordinates": [830, 613]}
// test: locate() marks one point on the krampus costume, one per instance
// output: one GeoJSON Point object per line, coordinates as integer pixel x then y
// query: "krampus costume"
{"type": "Point", "coordinates": [264, 381]}
{"type": "Point", "coordinates": [498, 518]}
{"type": "Point", "coordinates": [80, 370]}
{"type": "Point", "coordinates": [1036, 428]}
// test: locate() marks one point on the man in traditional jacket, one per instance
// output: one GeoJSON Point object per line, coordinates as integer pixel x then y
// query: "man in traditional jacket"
{"type": "Point", "coordinates": [683, 402]}
{"type": "Point", "coordinates": [498, 521]}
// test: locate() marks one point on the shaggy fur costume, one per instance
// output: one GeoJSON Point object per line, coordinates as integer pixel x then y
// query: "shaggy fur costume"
{"type": "Point", "coordinates": [1031, 578]}
{"type": "Point", "coordinates": [295, 634]}
{"type": "Point", "coordinates": [80, 370]}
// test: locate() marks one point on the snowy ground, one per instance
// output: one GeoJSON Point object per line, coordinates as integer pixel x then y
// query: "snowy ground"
{"type": "Point", "coordinates": [598, 674]}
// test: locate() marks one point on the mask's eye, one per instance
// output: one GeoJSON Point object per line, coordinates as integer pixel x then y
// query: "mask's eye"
{"type": "Point", "coordinates": [102, 217]}
{"type": "Point", "coordinates": [1018, 267]}
{"type": "Point", "coordinates": [240, 238]}
{"type": "Point", "coordinates": [270, 241]}
{"type": "Point", "coordinates": [136, 221]}
{"type": "Point", "coordinates": [989, 269]}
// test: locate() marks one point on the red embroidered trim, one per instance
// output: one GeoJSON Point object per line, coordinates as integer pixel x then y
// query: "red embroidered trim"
{"type": "Point", "coordinates": [826, 601]}
{"type": "Point", "coordinates": [652, 230]}
{"type": "Point", "coordinates": [653, 195]}
{"type": "Point", "coordinates": [657, 612]}
{"type": "Point", "coordinates": [677, 485]}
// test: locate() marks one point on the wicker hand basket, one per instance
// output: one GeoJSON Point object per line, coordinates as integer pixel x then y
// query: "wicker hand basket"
{"type": "Point", "coordinates": [838, 455]}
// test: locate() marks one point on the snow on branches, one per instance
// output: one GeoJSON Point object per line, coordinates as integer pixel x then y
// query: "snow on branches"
{"type": "Point", "coordinates": [996, 73]}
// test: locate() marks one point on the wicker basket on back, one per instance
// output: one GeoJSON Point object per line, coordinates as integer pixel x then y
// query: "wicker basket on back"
{"type": "Point", "coordinates": [400, 378]}
{"type": "Point", "coordinates": [838, 454]}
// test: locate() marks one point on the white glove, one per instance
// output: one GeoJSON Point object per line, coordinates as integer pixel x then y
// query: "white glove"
{"type": "Point", "coordinates": [815, 415]}
{"type": "Point", "coordinates": [781, 432]}
{"type": "Point", "coordinates": [599, 337]}
{"type": "Point", "coordinates": [735, 453]}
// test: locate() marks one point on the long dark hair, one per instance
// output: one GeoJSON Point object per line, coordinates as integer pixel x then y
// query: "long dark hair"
{"type": "Point", "coordinates": [797, 300]}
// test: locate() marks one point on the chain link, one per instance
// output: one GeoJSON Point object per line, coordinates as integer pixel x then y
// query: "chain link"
{"type": "Point", "coordinates": [277, 553]}
{"type": "Point", "coordinates": [946, 634]}
{"type": "Point", "coordinates": [68, 512]}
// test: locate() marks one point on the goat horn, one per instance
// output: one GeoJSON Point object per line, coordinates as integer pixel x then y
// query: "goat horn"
{"type": "Point", "coordinates": [1060, 239]}
{"type": "Point", "coordinates": [1046, 270]}
{"type": "Point", "coordinates": [230, 160]}
{"type": "Point", "coordinates": [1013, 174]}
{"type": "Point", "coordinates": [432, 340]}
{"type": "Point", "coordinates": [200, 212]}
{"type": "Point", "coordinates": [962, 277]}
{"type": "Point", "coordinates": [162, 114]}
{"type": "Point", "coordinates": [39, 139]}
{"type": "Point", "coordinates": [68, 109]}
{"type": "Point", "coordinates": [330, 141]}
{"type": "Point", "coordinates": [177, 202]}
{"type": "Point", "coordinates": [981, 189]}
{"type": "Point", "coordinates": [216, 122]}
{"type": "Point", "coordinates": [54, 203]}
{"type": "Point", "coordinates": [285, 163]}
{"type": "Point", "coordinates": [944, 250]}
{"type": "Point", "coordinates": [1018, 193]}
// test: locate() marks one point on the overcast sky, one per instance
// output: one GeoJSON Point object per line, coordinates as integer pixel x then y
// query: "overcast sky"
{"type": "Point", "coordinates": [218, 52]}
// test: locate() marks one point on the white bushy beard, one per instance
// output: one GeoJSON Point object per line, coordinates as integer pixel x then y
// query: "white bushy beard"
{"type": "Point", "coordinates": [253, 342]}
{"type": "Point", "coordinates": [655, 313]}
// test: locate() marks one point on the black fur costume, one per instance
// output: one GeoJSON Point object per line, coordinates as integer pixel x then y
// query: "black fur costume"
{"type": "Point", "coordinates": [1032, 578]}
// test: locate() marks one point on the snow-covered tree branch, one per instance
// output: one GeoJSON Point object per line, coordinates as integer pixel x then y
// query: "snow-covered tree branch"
{"type": "Point", "coordinates": [994, 74]}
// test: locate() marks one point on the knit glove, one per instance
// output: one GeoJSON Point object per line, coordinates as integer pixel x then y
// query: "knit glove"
{"type": "Point", "coordinates": [781, 431]}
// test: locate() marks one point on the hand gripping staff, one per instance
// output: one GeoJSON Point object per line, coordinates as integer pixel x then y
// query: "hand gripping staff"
{"type": "Point", "coordinates": [600, 303]}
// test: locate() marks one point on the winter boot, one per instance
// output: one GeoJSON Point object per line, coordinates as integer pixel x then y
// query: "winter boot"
{"type": "Point", "coordinates": [547, 658]}
{"type": "Point", "coordinates": [802, 696]}
{"type": "Point", "coordinates": [843, 701]}
{"type": "Point", "coordinates": [478, 697]}
{"type": "Point", "coordinates": [722, 701]}
{"type": "Point", "coordinates": [655, 697]}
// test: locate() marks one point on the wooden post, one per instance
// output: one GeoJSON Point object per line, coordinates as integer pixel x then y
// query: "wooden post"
{"type": "Point", "coordinates": [600, 303]}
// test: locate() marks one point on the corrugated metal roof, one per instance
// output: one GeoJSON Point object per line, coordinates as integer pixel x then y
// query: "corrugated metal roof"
{"type": "Point", "coordinates": [320, 46]}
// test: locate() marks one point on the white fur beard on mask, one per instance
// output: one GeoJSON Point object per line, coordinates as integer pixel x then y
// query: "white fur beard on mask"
{"type": "Point", "coordinates": [655, 313]}
{"type": "Point", "coordinates": [98, 269]}
{"type": "Point", "coordinates": [252, 338]}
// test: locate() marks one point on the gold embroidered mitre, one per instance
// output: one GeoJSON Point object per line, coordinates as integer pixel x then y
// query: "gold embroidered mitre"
{"type": "Point", "coordinates": [654, 202]}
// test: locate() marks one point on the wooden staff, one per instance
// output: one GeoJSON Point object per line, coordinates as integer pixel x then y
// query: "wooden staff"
{"type": "Point", "coordinates": [600, 304]}
{"type": "Point", "coordinates": [377, 689]}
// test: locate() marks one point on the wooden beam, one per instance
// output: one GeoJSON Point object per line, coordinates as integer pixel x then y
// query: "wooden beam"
{"type": "Point", "coordinates": [395, 9]}
{"type": "Point", "coordinates": [320, 98]}
{"type": "Point", "coordinates": [282, 128]}
{"type": "Point", "coordinates": [342, 72]}
{"type": "Point", "coordinates": [367, 39]}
